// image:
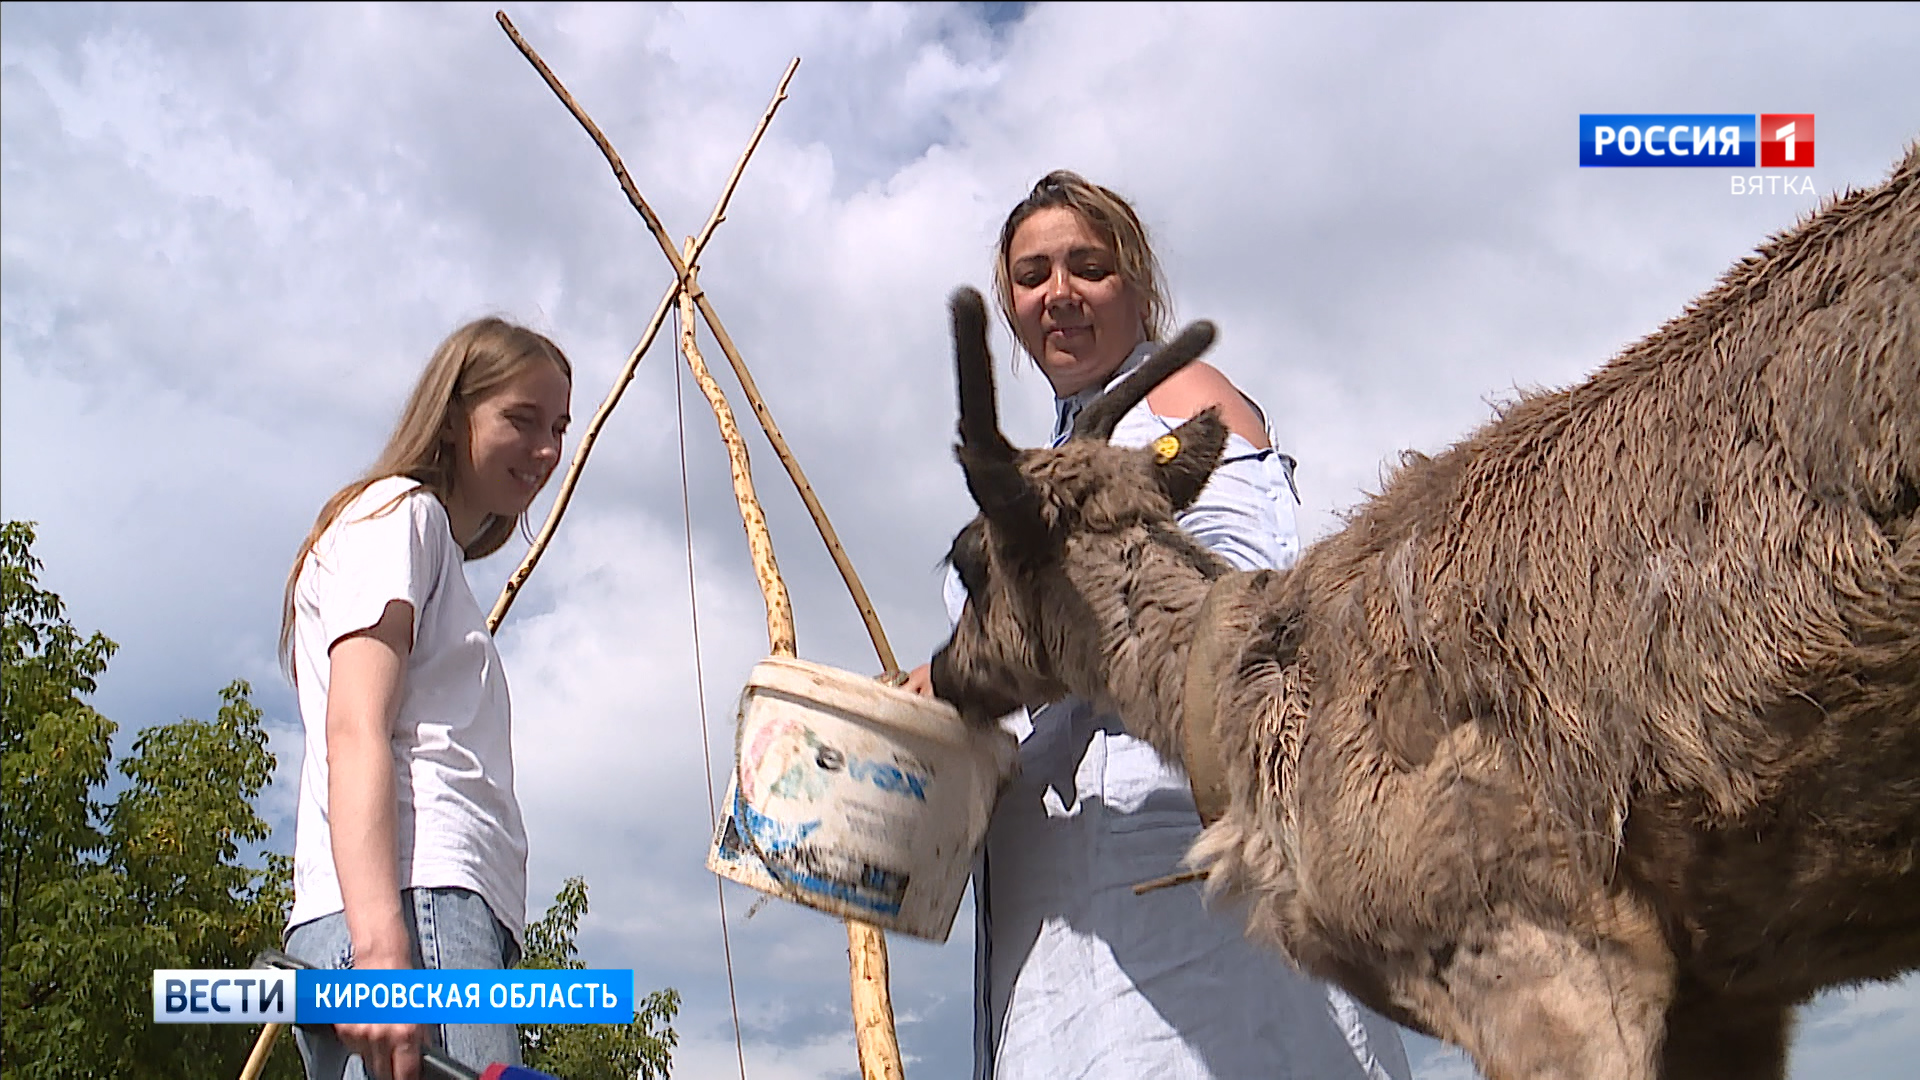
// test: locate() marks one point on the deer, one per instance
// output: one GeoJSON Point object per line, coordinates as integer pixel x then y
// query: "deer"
{"type": "Point", "coordinates": [1589, 744]}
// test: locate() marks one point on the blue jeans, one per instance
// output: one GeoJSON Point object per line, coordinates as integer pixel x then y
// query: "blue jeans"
{"type": "Point", "coordinates": [450, 928]}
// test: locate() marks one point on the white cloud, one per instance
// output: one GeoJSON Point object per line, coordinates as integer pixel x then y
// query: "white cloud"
{"type": "Point", "coordinates": [1864, 1032]}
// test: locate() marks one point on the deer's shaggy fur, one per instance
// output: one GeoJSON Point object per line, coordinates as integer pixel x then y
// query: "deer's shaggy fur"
{"type": "Point", "coordinates": [1591, 744]}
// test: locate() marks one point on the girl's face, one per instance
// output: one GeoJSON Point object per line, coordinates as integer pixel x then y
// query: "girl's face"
{"type": "Point", "coordinates": [1074, 313]}
{"type": "Point", "coordinates": [507, 448]}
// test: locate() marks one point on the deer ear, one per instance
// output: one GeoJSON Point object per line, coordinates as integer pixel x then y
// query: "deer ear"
{"type": "Point", "coordinates": [1185, 458]}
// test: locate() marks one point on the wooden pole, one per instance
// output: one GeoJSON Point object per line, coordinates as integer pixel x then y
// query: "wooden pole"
{"type": "Point", "coordinates": [873, 1030]}
{"type": "Point", "coordinates": [866, 946]}
{"type": "Point", "coordinates": [780, 636]}
{"type": "Point", "coordinates": [592, 430]}
{"type": "Point", "coordinates": [262, 1046]}
{"type": "Point", "coordinates": [760, 410]}
{"type": "Point", "coordinates": [872, 1007]}
{"type": "Point", "coordinates": [888, 665]}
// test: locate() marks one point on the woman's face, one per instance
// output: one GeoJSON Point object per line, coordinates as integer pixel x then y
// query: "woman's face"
{"type": "Point", "coordinates": [1074, 313]}
{"type": "Point", "coordinates": [511, 445]}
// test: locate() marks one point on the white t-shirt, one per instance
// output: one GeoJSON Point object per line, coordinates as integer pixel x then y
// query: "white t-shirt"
{"type": "Point", "coordinates": [459, 823]}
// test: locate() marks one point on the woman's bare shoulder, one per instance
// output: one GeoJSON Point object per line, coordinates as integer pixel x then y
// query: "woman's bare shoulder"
{"type": "Point", "coordinates": [1199, 386]}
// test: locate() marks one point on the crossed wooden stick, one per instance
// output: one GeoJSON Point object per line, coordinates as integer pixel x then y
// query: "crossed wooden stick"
{"type": "Point", "coordinates": [874, 1034]}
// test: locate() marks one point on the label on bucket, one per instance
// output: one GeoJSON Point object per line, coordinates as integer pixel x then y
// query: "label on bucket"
{"type": "Point", "coordinates": [828, 814]}
{"type": "Point", "coordinates": [856, 799]}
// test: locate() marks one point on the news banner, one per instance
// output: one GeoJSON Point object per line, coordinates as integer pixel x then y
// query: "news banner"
{"type": "Point", "coordinates": [261, 996]}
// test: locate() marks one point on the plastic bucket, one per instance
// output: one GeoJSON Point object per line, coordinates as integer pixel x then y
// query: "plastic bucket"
{"type": "Point", "coordinates": [856, 798]}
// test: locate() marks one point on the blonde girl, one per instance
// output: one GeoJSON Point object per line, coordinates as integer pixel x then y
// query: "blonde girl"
{"type": "Point", "coordinates": [409, 849]}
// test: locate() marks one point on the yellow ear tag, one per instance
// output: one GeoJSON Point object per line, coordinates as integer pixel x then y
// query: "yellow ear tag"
{"type": "Point", "coordinates": [1165, 449]}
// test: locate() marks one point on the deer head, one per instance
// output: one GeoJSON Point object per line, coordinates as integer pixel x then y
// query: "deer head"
{"type": "Point", "coordinates": [1062, 532]}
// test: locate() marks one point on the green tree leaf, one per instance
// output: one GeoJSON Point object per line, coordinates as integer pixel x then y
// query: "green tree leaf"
{"type": "Point", "coordinates": [97, 895]}
{"type": "Point", "coordinates": [642, 1048]}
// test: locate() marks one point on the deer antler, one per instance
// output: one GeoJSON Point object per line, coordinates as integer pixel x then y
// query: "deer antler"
{"type": "Point", "coordinates": [1098, 419]}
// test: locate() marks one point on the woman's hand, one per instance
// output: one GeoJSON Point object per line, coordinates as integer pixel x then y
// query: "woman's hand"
{"type": "Point", "coordinates": [920, 680]}
{"type": "Point", "coordinates": [390, 1051]}
{"type": "Point", "coordinates": [366, 680]}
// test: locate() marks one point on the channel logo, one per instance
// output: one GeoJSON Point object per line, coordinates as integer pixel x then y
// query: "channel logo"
{"type": "Point", "coordinates": [1696, 140]}
{"type": "Point", "coordinates": [1786, 140]}
{"type": "Point", "coordinates": [403, 996]}
{"type": "Point", "coordinates": [248, 996]}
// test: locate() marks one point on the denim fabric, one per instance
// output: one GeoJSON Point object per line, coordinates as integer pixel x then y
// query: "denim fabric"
{"type": "Point", "coordinates": [450, 928]}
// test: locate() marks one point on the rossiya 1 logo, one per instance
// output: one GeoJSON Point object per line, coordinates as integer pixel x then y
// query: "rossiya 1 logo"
{"type": "Point", "coordinates": [1705, 140]}
{"type": "Point", "coordinates": [1781, 134]}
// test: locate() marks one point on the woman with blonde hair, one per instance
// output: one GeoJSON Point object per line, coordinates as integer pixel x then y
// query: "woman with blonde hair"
{"type": "Point", "coordinates": [409, 849]}
{"type": "Point", "coordinates": [1077, 977]}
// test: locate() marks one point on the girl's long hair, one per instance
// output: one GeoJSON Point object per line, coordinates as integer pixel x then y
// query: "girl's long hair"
{"type": "Point", "coordinates": [473, 362]}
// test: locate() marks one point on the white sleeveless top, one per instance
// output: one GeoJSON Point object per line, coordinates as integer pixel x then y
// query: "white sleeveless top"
{"type": "Point", "coordinates": [1077, 978]}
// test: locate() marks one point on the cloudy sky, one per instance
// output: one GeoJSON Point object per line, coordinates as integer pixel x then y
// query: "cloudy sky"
{"type": "Point", "coordinates": [232, 234]}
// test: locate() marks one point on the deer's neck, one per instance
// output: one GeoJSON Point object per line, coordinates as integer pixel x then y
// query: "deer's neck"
{"type": "Point", "coordinates": [1147, 632]}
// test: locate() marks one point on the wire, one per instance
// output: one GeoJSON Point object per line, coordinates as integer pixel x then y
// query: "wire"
{"type": "Point", "coordinates": [700, 690]}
